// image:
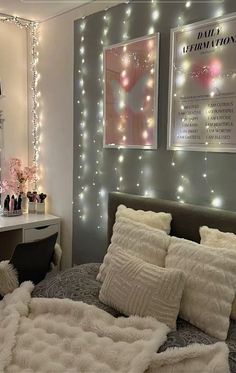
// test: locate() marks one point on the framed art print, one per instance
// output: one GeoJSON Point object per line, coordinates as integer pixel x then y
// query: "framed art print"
{"type": "Point", "coordinates": [131, 93]}
{"type": "Point", "coordinates": [202, 86]}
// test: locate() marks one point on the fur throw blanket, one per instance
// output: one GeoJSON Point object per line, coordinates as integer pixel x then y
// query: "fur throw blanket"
{"type": "Point", "coordinates": [61, 335]}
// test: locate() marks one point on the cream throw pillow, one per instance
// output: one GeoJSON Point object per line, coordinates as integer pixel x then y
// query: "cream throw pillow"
{"type": "Point", "coordinates": [137, 239]}
{"type": "Point", "coordinates": [8, 278]}
{"type": "Point", "coordinates": [210, 284]}
{"type": "Point", "coordinates": [134, 287]}
{"type": "Point", "coordinates": [159, 220]}
{"type": "Point", "coordinates": [215, 238]}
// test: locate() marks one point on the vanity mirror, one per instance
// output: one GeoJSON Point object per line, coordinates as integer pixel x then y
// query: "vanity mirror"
{"type": "Point", "coordinates": [19, 96]}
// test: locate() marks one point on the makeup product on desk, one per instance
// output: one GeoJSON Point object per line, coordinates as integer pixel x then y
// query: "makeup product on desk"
{"type": "Point", "coordinates": [6, 203]}
{"type": "Point", "coordinates": [19, 202]}
{"type": "Point", "coordinates": [32, 202]}
{"type": "Point", "coordinates": [40, 207]}
{"type": "Point", "coordinates": [12, 203]}
{"type": "Point", "coordinates": [12, 206]}
{"type": "Point", "coordinates": [15, 204]}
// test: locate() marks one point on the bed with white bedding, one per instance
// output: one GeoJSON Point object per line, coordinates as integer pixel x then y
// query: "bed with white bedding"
{"type": "Point", "coordinates": [79, 283]}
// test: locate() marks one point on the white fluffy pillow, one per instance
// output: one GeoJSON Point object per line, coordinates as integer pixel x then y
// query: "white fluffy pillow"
{"type": "Point", "coordinates": [134, 287]}
{"type": "Point", "coordinates": [8, 278]}
{"type": "Point", "coordinates": [210, 284]}
{"type": "Point", "coordinates": [137, 239]}
{"type": "Point", "coordinates": [159, 220]}
{"type": "Point", "coordinates": [215, 238]}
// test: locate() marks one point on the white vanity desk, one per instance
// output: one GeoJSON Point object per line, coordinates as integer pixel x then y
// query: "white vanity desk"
{"type": "Point", "coordinates": [25, 228]}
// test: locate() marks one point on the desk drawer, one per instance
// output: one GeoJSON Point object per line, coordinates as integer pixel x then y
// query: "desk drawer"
{"type": "Point", "coordinates": [34, 234]}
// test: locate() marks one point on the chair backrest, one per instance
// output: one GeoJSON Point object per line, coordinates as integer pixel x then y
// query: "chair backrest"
{"type": "Point", "coordinates": [32, 259]}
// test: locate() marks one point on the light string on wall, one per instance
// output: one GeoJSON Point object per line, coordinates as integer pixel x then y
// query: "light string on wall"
{"type": "Point", "coordinates": [95, 186]}
{"type": "Point", "coordinates": [215, 200]}
{"type": "Point", "coordinates": [83, 144]}
{"type": "Point", "coordinates": [102, 193]}
{"type": "Point", "coordinates": [32, 27]}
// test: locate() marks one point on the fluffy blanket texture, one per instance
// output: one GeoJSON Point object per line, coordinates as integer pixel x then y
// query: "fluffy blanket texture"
{"type": "Point", "coordinates": [61, 335]}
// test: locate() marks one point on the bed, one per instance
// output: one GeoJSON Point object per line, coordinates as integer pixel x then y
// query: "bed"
{"type": "Point", "coordinates": [79, 283]}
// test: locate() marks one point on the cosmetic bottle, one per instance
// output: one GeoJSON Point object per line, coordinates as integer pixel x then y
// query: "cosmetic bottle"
{"type": "Point", "coordinates": [15, 204]}
{"type": "Point", "coordinates": [19, 202]}
{"type": "Point", "coordinates": [6, 204]}
{"type": "Point", "coordinates": [12, 203]}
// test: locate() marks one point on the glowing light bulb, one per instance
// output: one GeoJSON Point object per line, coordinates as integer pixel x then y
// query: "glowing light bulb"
{"type": "Point", "coordinates": [204, 175]}
{"type": "Point", "coordinates": [188, 4]}
{"type": "Point", "coordinates": [216, 202]}
{"type": "Point", "coordinates": [82, 26]}
{"type": "Point", "coordinates": [145, 134]}
{"type": "Point", "coordinates": [121, 158]}
{"type": "Point", "coordinates": [180, 189]}
{"type": "Point", "coordinates": [155, 15]}
{"type": "Point", "coordinates": [102, 193]}
{"type": "Point", "coordinates": [151, 30]}
{"type": "Point", "coordinates": [150, 83]}
{"type": "Point", "coordinates": [121, 104]}
{"type": "Point", "coordinates": [128, 11]}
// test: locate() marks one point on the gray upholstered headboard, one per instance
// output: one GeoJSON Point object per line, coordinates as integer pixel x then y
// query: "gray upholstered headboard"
{"type": "Point", "coordinates": [186, 219]}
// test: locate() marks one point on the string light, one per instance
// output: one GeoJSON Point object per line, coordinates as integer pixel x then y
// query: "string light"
{"type": "Point", "coordinates": [143, 179]}
{"type": "Point", "coordinates": [32, 28]}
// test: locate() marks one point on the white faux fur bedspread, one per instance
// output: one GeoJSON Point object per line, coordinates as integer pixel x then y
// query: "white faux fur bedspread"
{"type": "Point", "coordinates": [64, 336]}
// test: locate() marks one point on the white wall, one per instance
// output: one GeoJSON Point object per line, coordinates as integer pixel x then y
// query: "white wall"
{"type": "Point", "coordinates": [13, 74]}
{"type": "Point", "coordinates": [56, 62]}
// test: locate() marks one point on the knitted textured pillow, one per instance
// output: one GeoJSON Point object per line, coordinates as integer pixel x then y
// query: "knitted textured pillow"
{"type": "Point", "coordinates": [215, 238]}
{"type": "Point", "coordinates": [159, 220]}
{"type": "Point", "coordinates": [210, 284]}
{"type": "Point", "coordinates": [134, 287]}
{"type": "Point", "coordinates": [137, 239]}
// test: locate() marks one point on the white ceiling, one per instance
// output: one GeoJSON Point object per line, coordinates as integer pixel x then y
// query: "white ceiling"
{"type": "Point", "coordinates": [39, 10]}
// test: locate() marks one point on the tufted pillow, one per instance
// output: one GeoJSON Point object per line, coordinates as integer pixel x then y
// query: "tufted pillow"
{"type": "Point", "coordinates": [215, 238]}
{"type": "Point", "coordinates": [159, 220]}
{"type": "Point", "coordinates": [134, 287]}
{"type": "Point", "coordinates": [210, 284]}
{"type": "Point", "coordinates": [139, 240]}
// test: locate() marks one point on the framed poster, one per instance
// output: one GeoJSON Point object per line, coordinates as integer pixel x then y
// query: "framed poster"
{"type": "Point", "coordinates": [131, 93]}
{"type": "Point", "coordinates": [202, 86]}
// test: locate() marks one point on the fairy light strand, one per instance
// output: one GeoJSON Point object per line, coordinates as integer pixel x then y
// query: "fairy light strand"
{"type": "Point", "coordinates": [141, 182]}
{"type": "Point", "coordinates": [32, 27]}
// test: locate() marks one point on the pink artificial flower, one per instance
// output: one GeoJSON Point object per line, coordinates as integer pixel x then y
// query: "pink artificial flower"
{"type": "Point", "coordinates": [18, 177]}
{"type": "Point", "coordinates": [14, 165]}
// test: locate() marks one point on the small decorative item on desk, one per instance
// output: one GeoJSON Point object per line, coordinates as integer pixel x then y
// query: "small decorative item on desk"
{"type": "Point", "coordinates": [40, 207]}
{"type": "Point", "coordinates": [32, 202]}
{"type": "Point", "coordinates": [12, 206]}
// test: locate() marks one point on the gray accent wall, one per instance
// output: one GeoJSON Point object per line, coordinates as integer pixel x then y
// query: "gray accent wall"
{"type": "Point", "coordinates": [156, 173]}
